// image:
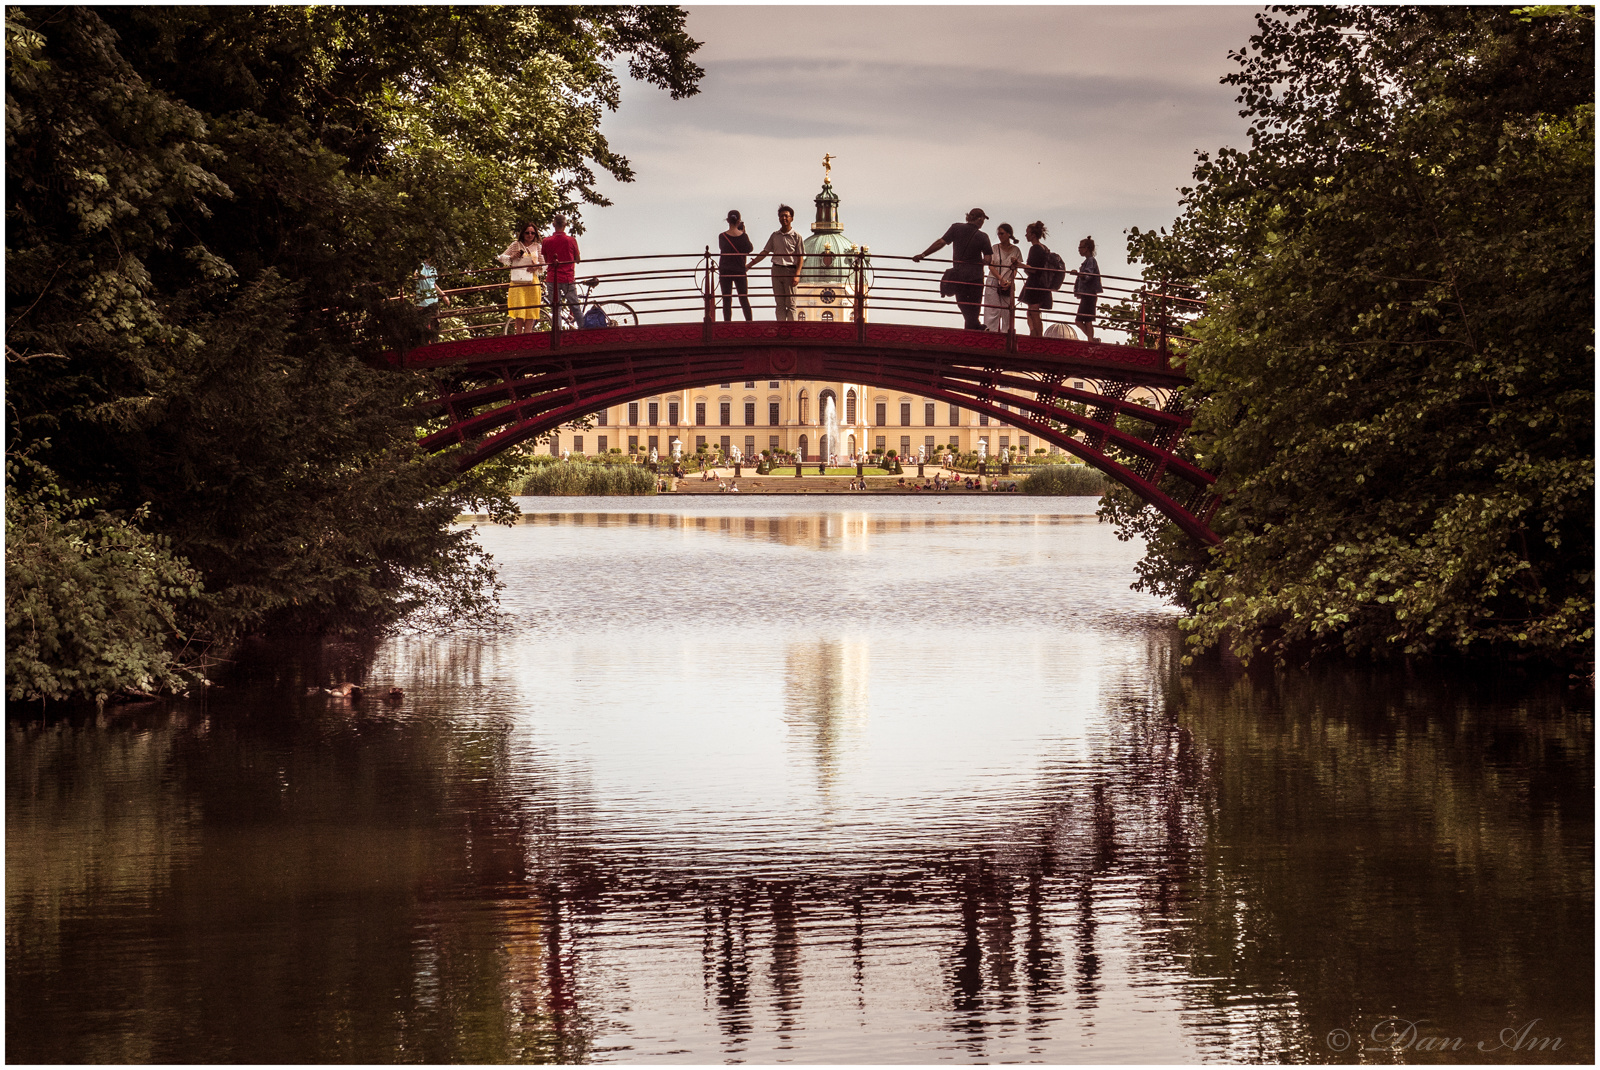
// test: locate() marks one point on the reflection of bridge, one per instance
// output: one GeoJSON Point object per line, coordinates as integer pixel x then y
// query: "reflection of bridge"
{"type": "Point", "coordinates": [498, 391]}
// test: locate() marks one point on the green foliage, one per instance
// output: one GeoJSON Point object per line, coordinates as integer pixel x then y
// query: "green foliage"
{"type": "Point", "coordinates": [575, 477]}
{"type": "Point", "coordinates": [206, 210]}
{"type": "Point", "coordinates": [1395, 375]}
{"type": "Point", "coordinates": [90, 598]}
{"type": "Point", "coordinates": [1070, 479]}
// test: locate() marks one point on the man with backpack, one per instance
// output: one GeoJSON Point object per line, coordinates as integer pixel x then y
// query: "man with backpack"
{"type": "Point", "coordinates": [1046, 271]}
{"type": "Point", "coordinates": [970, 251]}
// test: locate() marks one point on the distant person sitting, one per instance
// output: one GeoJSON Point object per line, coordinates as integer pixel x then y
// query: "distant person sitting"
{"type": "Point", "coordinates": [1087, 287]}
{"type": "Point", "coordinates": [561, 253]}
{"type": "Point", "coordinates": [788, 254]}
{"type": "Point", "coordinates": [969, 252]}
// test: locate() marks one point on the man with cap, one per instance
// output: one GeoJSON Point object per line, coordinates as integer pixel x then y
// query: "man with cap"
{"type": "Point", "coordinates": [969, 251]}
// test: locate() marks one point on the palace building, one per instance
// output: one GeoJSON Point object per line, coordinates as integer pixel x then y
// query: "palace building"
{"type": "Point", "coordinates": [791, 416]}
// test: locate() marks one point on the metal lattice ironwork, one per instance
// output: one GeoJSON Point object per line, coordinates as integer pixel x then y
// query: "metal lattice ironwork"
{"type": "Point", "coordinates": [498, 391]}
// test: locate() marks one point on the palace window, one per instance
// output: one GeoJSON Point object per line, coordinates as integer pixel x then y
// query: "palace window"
{"type": "Point", "coordinates": [633, 414]}
{"type": "Point", "coordinates": [927, 415]}
{"type": "Point", "coordinates": [850, 406]}
{"type": "Point", "coordinates": [773, 385]}
{"type": "Point", "coordinates": [699, 440]}
{"type": "Point", "coordinates": [672, 413]}
{"type": "Point", "coordinates": [772, 413]}
{"type": "Point", "coordinates": [633, 443]}
{"type": "Point", "coordinates": [882, 443]}
{"type": "Point", "coordinates": [955, 416]}
{"type": "Point", "coordinates": [928, 442]}
{"type": "Point", "coordinates": [727, 444]}
{"type": "Point", "coordinates": [601, 447]}
{"type": "Point", "coordinates": [655, 413]}
{"type": "Point", "coordinates": [602, 417]}
{"type": "Point", "coordinates": [699, 414]}
{"type": "Point", "coordinates": [727, 386]}
{"type": "Point", "coordinates": [749, 386]}
{"type": "Point", "coordinates": [983, 421]}
{"type": "Point", "coordinates": [727, 413]}
{"type": "Point", "coordinates": [827, 316]}
{"type": "Point", "coordinates": [1005, 440]}
{"type": "Point", "coordinates": [1022, 443]}
{"type": "Point", "coordinates": [749, 446]}
{"type": "Point", "coordinates": [749, 414]}
{"type": "Point", "coordinates": [653, 442]}
{"type": "Point", "coordinates": [804, 405]}
{"type": "Point", "coordinates": [773, 444]}
{"type": "Point", "coordinates": [1077, 384]}
{"type": "Point", "coordinates": [905, 445]}
{"type": "Point", "coordinates": [577, 443]}
{"type": "Point", "coordinates": [905, 414]}
{"type": "Point", "coordinates": [881, 411]}
{"type": "Point", "coordinates": [955, 442]}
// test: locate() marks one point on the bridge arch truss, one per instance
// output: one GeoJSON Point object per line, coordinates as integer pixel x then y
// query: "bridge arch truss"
{"type": "Point", "coordinates": [496, 392]}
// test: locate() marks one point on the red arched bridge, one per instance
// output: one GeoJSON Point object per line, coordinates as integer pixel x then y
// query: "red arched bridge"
{"type": "Point", "coordinates": [498, 389]}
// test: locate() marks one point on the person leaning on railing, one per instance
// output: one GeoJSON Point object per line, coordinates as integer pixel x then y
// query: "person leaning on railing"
{"type": "Point", "coordinates": [788, 254]}
{"type": "Point", "coordinates": [523, 296]}
{"type": "Point", "coordinates": [970, 250]}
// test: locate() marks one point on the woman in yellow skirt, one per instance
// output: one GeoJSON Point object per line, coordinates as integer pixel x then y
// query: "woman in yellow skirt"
{"type": "Point", "coordinates": [524, 297]}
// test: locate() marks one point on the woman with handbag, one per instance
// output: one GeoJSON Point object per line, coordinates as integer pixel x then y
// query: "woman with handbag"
{"type": "Point", "coordinates": [999, 286]}
{"type": "Point", "coordinates": [524, 296]}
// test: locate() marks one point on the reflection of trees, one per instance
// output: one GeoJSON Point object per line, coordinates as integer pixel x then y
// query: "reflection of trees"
{"type": "Point", "coordinates": [368, 884]}
{"type": "Point", "coordinates": [1387, 846]}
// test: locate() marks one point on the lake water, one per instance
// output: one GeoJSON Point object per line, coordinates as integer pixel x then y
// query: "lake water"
{"type": "Point", "coordinates": [882, 780]}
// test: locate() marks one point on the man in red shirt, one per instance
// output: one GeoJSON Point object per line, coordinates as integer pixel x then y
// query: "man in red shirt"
{"type": "Point", "coordinates": [560, 251]}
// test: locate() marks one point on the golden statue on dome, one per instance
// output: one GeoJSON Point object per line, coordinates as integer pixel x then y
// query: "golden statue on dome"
{"type": "Point", "coordinates": [827, 167]}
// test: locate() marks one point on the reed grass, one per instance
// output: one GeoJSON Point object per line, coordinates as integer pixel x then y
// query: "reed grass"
{"type": "Point", "coordinates": [577, 477]}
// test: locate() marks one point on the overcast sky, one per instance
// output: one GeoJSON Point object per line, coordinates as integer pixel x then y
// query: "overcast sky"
{"type": "Point", "coordinates": [1085, 117]}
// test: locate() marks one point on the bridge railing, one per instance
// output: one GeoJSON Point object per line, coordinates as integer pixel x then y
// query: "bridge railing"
{"type": "Point", "coordinates": [852, 287]}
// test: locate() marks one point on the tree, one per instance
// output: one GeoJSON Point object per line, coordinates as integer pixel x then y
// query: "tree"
{"type": "Point", "coordinates": [208, 210]}
{"type": "Point", "coordinates": [1394, 376]}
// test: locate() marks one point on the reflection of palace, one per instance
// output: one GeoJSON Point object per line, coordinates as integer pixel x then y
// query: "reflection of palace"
{"type": "Point", "coordinates": [792, 415]}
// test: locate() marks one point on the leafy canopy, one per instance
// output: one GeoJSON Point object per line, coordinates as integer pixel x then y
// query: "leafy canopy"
{"type": "Point", "coordinates": [205, 208]}
{"type": "Point", "coordinates": [1394, 380]}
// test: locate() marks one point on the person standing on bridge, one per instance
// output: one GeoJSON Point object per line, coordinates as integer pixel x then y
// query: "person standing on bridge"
{"type": "Point", "coordinates": [561, 253]}
{"type": "Point", "coordinates": [1087, 287]}
{"type": "Point", "coordinates": [969, 251]}
{"type": "Point", "coordinates": [522, 297]}
{"type": "Point", "coordinates": [1036, 294]}
{"type": "Point", "coordinates": [999, 287]}
{"type": "Point", "coordinates": [788, 257]}
{"type": "Point", "coordinates": [735, 246]}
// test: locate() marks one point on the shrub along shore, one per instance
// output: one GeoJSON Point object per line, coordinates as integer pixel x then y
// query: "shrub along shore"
{"type": "Point", "coordinates": [578, 477]}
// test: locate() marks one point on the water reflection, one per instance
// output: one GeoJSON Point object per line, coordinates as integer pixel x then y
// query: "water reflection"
{"type": "Point", "coordinates": [792, 826]}
{"type": "Point", "coordinates": [825, 703]}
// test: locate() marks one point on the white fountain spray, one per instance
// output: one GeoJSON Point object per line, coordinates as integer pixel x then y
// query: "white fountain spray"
{"type": "Point", "coordinates": [830, 428]}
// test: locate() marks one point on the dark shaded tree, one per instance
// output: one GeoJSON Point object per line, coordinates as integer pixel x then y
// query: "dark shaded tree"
{"type": "Point", "coordinates": [1395, 375]}
{"type": "Point", "coordinates": [208, 210]}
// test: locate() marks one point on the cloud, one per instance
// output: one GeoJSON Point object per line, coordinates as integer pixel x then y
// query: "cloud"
{"type": "Point", "coordinates": [1087, 118]}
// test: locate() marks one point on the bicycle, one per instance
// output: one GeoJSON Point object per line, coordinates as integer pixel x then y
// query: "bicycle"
{"type": "Point", "coordinates": [611, 313]}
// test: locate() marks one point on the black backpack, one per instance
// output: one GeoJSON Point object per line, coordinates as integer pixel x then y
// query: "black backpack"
{"type": "Point", "coordinates": [1058, 270]}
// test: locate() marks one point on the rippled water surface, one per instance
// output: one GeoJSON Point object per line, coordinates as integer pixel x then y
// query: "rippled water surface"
{"type": "Point", "coordinates": [831, 780]}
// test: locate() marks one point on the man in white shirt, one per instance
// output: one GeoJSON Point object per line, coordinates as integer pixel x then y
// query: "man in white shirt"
{"type": "Point", "coordinates": [788, 256]}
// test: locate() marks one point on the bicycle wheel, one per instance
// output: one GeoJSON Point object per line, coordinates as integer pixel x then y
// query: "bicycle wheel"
{"type": "Point", "coordinates": [619, 314]}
